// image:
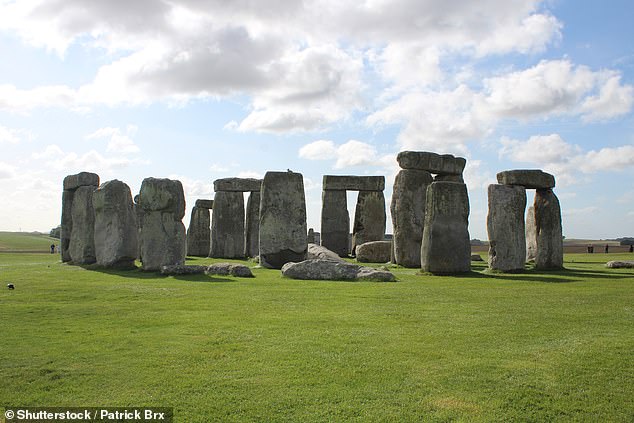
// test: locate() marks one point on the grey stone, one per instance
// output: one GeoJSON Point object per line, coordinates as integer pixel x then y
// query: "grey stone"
{"type": "Point", "coordinates": [476, 257]}
{"type": "Point", "coordinates": [445, 164]}
{"type": "Point", "coordinates": [320, 252]}
{"type": "Point", "coordinates": [252, 232]}
{"type": "Point", "coordinates": [230, 269]}
{"type": "Point", "coordinates": [369, 218]}
{"type": "Point", "coordinates": [164, 195]}
{"type": "Point", "coordinates": [528, 178]}
{"type": "Point", "coordinates": [227, 225]}
{"type": "Point", "coordinates": [116, 235]}
{"type": "Point", "coordinates": [311, 236]}
{"type": "Point", "coordinates": [282, 219]}
{"type": "Point", "coordinates": [505, 226]}
{"type": "Point", "coordinates": [374, 252]}
{"type": "Point", "coordinates": [335, 222]}
{"type": "Point", "coordinates": [72, 182]}
{"type": "Point", "coordinates": [237, 184]}
{"type": "Point", "coordinates": [550, 244]}
{"type": "Point", "coordinates": [182, 269]}
{"type": "Point", "coordinates": [446, 247]}
{"type": "Point", "coordinates": [531, 235]}
{"type": "Point", "coordinates": [449, 178]}
{"type": "Point", "coordinates": [353, 183]}
{"type": "Point", "coordinates": [615, 264]}
{"type": "Point", "coordinates": [205, 204]}
{"type": "Point", "coordinates": [67, 224]}
{"type": "Point", "coordinates": [82, 238]}
{"type": "Point", "coordinates": [334, 271]}
{"type": "Point", "coordinates": [199, 232]}
{"type": "Point", "coordinates": [408, 215]}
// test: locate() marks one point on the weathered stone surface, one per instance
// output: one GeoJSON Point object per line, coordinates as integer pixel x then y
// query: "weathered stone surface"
{"type": "Point", "coordinates": [374, 252]}
{"type": "Point", "coordinates": [237, 184]}
{"type": "Point", "coordinates": [550, 244]}
{"type": "Point", "coordinates": [165, 195]}
{"type": "Point", "coordinates": [505, 226]}
{"type": "Point", "coordinates": [67, 224]}
{"type": "Point", "coordinates": [445, 164]}
{"type": "Point", "coordinates": [82, 238]}
{"type": "Point", "coordinates": [528, 178]}
{"type": "Point", "coordinates": [230, 269]}
{"type": "Point", "coordinates": [408, 215]}
{"type": "Point", "coordinates": [163, 239]}
{"type": "Point", "coordinates": [199, 232]}
{"type": "Point", "coordinates": [227, 225]}
{"type": "Point", "coordinates": [353, 183]}
{"type": "Point", "coordinates": [183, 269]}
{"type": "Point", "coordinates": [476, 257]}
{"type": "Point", "coordinates": [72, 182]}
{"type": "Point", "coordinates": [335, 222]}
{"type": "Point", "coordinates": [252, 232]}
{"type": "Point", "coordinates": [282, 219]}
{"type": "Point", "coordinates": [369, 218]}
{"type": "Point", "coordinates": [615, 264]}
{"type": "Point", "coordinates": [320, 252]}
{"type": "Point", "coordinates": [311, 236]}
{"type": "Point", "coordinates": [116, 235]}
{"type": "Point", "coordinates": [445, 247]}
{"type": "Point", "coordinates": [531, 235]}
{"type": "Point", "coordinates": [449, 178]}
{"type": "Point", "coordinates": [334, 271]}
{"type": "Point", "coordinates": [138, 211]}
{"type": "Point", "coordinates": [205, 204]}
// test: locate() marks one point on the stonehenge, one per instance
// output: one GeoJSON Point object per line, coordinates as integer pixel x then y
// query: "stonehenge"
{"type": "Point", "coordinates": [252, 226]}
{"type": "Point", "coordinates": [78, 218]}
{"type": "Point", "coordinates": [505, 226]}
{"type": "Point", "coordinates": [374, 252]}
{"type": "Point", "coordinates": [199, 231]}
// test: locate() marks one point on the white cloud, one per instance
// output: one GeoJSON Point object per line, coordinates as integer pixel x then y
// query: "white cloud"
{"type": "Point", "coordinates": [352, 153]}
{"type": "Point", "coordinates": [7, 171]}
{"type": "Point", "coordinates": [12, 136]}
{"type": "Point", "coordinates": [119, 142]}
{"type": "Point", "coordinates": [613, 100]}
{"type": "Point", "coordinates": [318, 150]}
{"type": "Point", "coordinates": [580, 211]}
{"type": "Point", "coordinates": [539, 149]}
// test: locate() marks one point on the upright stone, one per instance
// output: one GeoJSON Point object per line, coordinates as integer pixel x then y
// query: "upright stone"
{"type": "Point", "coordinates": [163, 239]}
{"type": "Point", "coordinates": [227, 225]}
{"type": "Point", "coordinates": [531, 235]}
{"type": "Point", "coordinates": [82, 237]}
{"type": "Point", "coordinates": [550, 247]}
{"type": "Point", "coordinates": [116, 238]}
{"type": "Point", "coordinates": [199, 232]}
{"type": "Point", "coordinates": [445, 246]}
{"type": "Point", "coordinates": [252, 233]}
{"type": "Point", "coordinates": [505, 226]}
{"type": "Point", "coordinates": [369, 218]}
{"type": "Point", "coordinates": [138, 211]}
{"type": "Point", "coordinates": [311, 236]}
{"type": "Point", "coordinates": [408, 215]}
{"type": "Point", "coordinates": [70, 185]}
{"type": "Point", "coordinates": [282, 219]}
{"type": "Point", "coordinates": [335, 222]}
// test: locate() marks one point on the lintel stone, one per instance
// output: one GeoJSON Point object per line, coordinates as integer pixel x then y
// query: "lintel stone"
{"type": "Point", "coordinates": [72, 182]}
{"type": "Point", "coordinates": [205, 204]}
{"type": "Point", "coordinates": [353, 183]}
{"type": "Point", "coordinates": [237, 184]}
{"type": "Point", "coordinates": [528, 178]}
{"type": "Point", "coordinates": [440, 164]}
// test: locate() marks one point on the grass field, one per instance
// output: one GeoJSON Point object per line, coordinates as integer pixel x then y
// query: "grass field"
{"type": "Point", "coordinates": [26, 242]}
{"type": "Point", "coordinates": [555, 346]}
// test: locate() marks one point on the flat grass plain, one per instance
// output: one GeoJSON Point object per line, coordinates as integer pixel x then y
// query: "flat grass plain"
{"type": "Point", "coordinates": [536, 346]}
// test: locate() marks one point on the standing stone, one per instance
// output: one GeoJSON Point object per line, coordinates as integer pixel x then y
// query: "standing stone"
{"type": "Point", "coordinates": [311, 236]}
{"type": "Point", "coordinates": [408, 215]}
{"type": "Point", "coordinates": [82, 237]}
{"type": "Point", "coordinates": [335, 222]}
{"type": "Point", "coordinates": [138, 211]}
{"type": "Point", "coordinates": [227, 225]}
{"type": "Point", "coordinates": [116, 241]}
{"type": "Point", "coordinates": [163, 239]}
{"type": "Point", "coordinates": [70, 184]}
{"type": "Point", "coordinates": [531, 235]}
{"type": "Point", "coordinates": [282, 219]}
{"type": "Point", "coordinates": [369, 218]}
{"type": "Point", "coordinates": [199, 232]}
{"type": "Point", "coordinates": [505, 226]}
{"type": "Point", "coordinates": [445, 246]}
{"type": "Point", "coordinates": [252, 233]}
{"type": "Point", "coordinates": [550, 246]}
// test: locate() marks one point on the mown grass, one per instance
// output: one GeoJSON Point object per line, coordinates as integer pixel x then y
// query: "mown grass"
{"type": "Point", "coordinates": [537, 346]}
{"type": "Point", "coordinates": [26, 241]}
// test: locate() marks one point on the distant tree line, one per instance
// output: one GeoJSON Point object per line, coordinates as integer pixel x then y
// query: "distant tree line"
{"type": "Point", "coordinates": [625, 240]}
{"type": "Point", "coordinates": [56, 232]}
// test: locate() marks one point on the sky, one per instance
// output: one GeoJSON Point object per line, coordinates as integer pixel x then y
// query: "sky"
{"type": "Point", "coordinates": [200, 90]}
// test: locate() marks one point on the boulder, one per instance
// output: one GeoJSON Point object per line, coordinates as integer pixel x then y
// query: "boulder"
{"type": "Point", "coordinates": [476, 257]}
{"type": "Point", "coordinates": [199, 232]}
{"type": "Point", "coordinates": [82, 237]}
{"type": "Point", "coordinates": [353, 183]}
{"type": "Point", "coordinates": [205, 204]}
{"type": "Point", "coordinates": [227, 225]}
{"type": "Point", "coordinates": [230, 269]}
{"type": "Point", "coordinates": [67, 224]}
{"type": "Point", "coordinates": [252, 230]}
{"type": "Point", "coordinates": [335, 222]}
{"type": "Point", "coordinates": [550, 244]}
{"type": "Point", "coordinates": [164, 195]}
{"type": "Point", "coordinates": [445, 164]}
{"type": "Point", "coordinates": [116, 235]}
{"type": "Point", "coordinates": [528, 178]}
{"type": "Point", "coordinates": [320, 252]}
{"type": "Point", "coordinates": [620, 264]}
{"type": "Point", "coordinates": [374, 252]}
{"type": "Point", "coordinates": [369, 218]}
{"type": "Point", "coordinates": [505, 226]}
{"type": "Point", "coordinates": [237, 184]}
{"type": "Point", "coordinates": [334, 271]}
{"type": "Point", "coordinates": [72, 182]}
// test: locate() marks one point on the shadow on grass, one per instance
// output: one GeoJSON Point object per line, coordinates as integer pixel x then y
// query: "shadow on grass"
{"type": "Point", "coordinates": [553, 276]}
{"type": "Point", "coordinates": [138, 273]}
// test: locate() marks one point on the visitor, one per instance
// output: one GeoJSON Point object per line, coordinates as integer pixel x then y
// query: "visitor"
{"type": "Point", "coordinates": [52, 248]}
{"type": "Point", "coordinates": [631, 248]}
{"type": "Point", "coordinates": [607, 247]}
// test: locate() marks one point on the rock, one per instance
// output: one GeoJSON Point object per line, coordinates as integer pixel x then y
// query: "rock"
{"type": "Point", "coordinates": [311, 236]}
{"type": "Point", "coordinates": [505, 226]}
{"type": "Point", "coordinates": [67, 224]}
{"type": "Point", "coordinates": [445, 164]}
{"type": "Point", "coordinates": [353, 183]}
{"type": "Point", "coordinates": [237, 184]}
{"type": "Point", "coordinates": [446, 247]}
{"type": "Point", "coordinates": [252, 232]}
{"type": "Point", "coordinates": [620, 264]}
{"type": "Point", "coordinates": [283, 225]}
{"type": "Point", "coordinates": [408, 215]}
{"type": "Point", "coordinates": [178, 270]}
{"type": "Point", "coordinates": [528, 178]}
{"type": "Point", "coordinates": [82, 237]}
{"type": "Point", "coordinates": [374, 252]}
{"type": "Point", "coordinates": [531, 235]}
{"type": "Point", "coordinates": [205, 204]}
{"type": "Point", "coordinates": [334, 271]}
{"type": "Point", "coordinates": [116, 235]}
{"type": "Point", "coordinates": [163, 239]}
{"type": "Point", "coordinates": [227, 225]}
{"type": "Point", "coordinates": [476, 257]}
{"type": "Point", "coordinates": [335, 222]}
{"type": "Point", "coordinates": [550, 244]}
{"type": "Point", "coordinates": [199, 232]}
{"type": "Point", "coordinates": [82, 179]}
{"type": "Point", "coordinates": [369, 218]}
{"type": "Point", "coordinates": [449, 178]}
{"type": "Point", "coordinates": [323, 253]}
{"type": "Point", "coordinates": [230, 269]}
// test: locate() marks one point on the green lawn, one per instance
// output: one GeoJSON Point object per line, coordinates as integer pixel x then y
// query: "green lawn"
{"type": "Point", "coordinates": [537, 346]}
{"type": "Point", "coordinates": [26, 241]}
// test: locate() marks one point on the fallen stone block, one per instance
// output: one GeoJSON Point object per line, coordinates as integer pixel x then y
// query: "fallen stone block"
{"type": "Point", "coordinates": [330, 270]}
{"type": "Point", "coordinates": [374, 252]}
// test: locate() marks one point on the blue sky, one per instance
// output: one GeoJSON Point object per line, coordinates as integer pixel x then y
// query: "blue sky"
{"type": "Point", "coordinates": [204, 90]}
